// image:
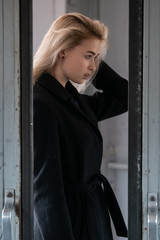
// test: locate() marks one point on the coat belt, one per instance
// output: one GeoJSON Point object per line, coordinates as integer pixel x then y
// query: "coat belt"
{"type": "Point", "coordinates": [110, 198]}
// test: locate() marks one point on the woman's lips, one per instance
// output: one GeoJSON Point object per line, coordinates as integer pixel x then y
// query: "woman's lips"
{"type": "Point", "coordinates": [86, 76]}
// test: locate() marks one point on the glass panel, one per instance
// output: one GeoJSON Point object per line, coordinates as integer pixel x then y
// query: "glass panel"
{"type": "Point", "coordinates": [114, 130]}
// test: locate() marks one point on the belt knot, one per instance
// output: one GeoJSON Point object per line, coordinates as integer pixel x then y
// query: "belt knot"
{"type": "Point", "coordinates": [111, 201]}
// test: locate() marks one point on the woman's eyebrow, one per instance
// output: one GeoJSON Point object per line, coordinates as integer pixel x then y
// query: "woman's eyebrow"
{"type": "Point", "coordinates": [93, 53]}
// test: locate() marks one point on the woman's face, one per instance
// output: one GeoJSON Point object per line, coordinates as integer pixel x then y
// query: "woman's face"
{"type": "Point", "coordinates": [79, 63]}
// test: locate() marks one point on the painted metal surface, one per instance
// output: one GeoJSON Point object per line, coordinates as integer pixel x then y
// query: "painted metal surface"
{"type": "Point", "coordinates": [10, 106]}
{"type": "Point", "coordinates": [26, 119]}
{"type": "Point", "coordinates": [89, 8]}
{"type": "Point", "coordinates": [151, 110]}
{"type": "Point", "coordinates": [135, 118]}
{"type": "Point", "coordinates": [1, 115]}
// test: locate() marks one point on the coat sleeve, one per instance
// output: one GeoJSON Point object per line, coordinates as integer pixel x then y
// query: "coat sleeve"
{"type": "Point", "coordinates": [112, 99]}
{"type": "Point", "coordinates": [52, 220]}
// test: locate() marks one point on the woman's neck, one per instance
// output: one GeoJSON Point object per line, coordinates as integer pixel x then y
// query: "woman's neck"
{"type": "Point", "coordinates": [58, 75]}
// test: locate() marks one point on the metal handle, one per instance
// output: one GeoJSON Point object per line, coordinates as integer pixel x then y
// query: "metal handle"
{"type": "Point", "coordinates": [153, 216]}
{"type": "Point", "coordinates": [7, 214]}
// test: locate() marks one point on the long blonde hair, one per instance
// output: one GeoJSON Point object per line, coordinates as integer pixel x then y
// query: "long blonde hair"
{"type": "Point", "coordinates": [66, 32]}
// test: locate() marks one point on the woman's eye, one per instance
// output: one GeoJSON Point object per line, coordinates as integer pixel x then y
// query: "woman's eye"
{"type": "Point", "coordinates": [88, 56]}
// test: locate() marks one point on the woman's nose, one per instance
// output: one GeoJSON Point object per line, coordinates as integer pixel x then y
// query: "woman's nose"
{"type": "Point", "coordinates": [92, 65]}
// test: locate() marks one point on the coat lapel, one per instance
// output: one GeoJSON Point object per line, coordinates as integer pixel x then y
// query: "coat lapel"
{"type": "Point", "coordinates": [81, 104]}
{"type": "Point", "coordinates": [70, 95]}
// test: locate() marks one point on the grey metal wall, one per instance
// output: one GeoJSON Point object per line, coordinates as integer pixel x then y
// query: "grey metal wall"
{"type": "Point", "coordinates": [44, 13]}
{"type": "Point", "coordinates": [10, 146]}
{"type": "Point", "coordinates": [115, 13]}
{"type": "Point", "coordinates": [151, 122]}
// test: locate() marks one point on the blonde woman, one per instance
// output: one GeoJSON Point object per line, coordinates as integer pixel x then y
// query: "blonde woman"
{"type": "Point", "coordinates": [72, 199]}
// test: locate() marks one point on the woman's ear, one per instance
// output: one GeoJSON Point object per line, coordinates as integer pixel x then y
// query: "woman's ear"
{"type": "Point", "coordinates": [62, 54]}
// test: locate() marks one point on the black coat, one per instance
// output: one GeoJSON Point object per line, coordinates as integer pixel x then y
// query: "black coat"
{"type": "Point", "coordinates": [71, 197]}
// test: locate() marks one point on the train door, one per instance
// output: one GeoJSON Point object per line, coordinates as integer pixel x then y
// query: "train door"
{"type": "Point", "coordinates": [10, 147]}
{"type": "Point", "coordinates": [144, 119]}
{"type": "Point", "coordinates": [151, 122]}
{"type": "Point", "coordinates": [15, 120]}
{"type": "Point", "coordinates": [16, 167]}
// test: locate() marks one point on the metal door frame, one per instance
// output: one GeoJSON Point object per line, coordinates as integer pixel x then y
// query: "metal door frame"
{"type": "Point", "coordinates": [135, 119]}
{"type": "Point", "coordinates": [144, 117]}
{"type": "Point", "coordinates": [26, 118]}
